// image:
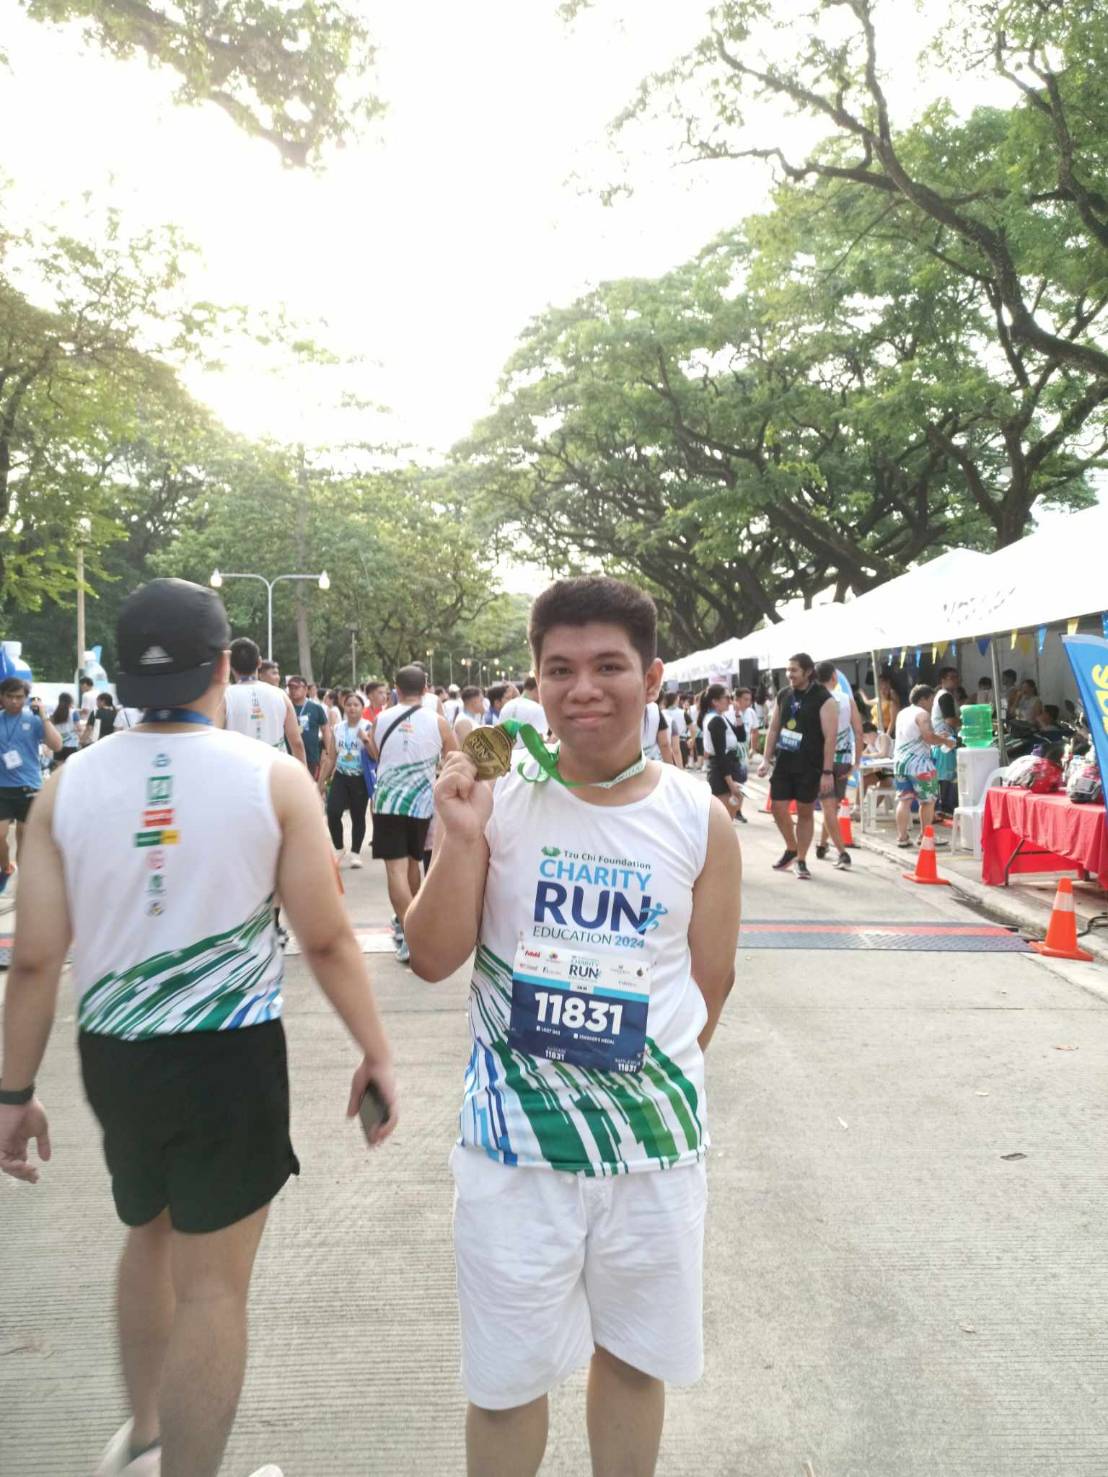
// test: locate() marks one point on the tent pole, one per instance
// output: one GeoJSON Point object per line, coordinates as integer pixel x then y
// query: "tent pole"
{"type": "Point", "coordinates": [997, 700]}
{"type": "Point", "coordinates": [876, 691]}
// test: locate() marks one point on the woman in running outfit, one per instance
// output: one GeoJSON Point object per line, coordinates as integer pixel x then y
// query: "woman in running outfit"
{"type": "Point", "coordinates": [722, 749]}
{"type": "Point", "coordinates": [348, 791]}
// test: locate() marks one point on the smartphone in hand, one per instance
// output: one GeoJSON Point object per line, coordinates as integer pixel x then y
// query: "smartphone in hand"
{"type": "Point", "coordinates": [373, 1111]}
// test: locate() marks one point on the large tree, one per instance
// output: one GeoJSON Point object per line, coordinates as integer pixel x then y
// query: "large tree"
{"type": "Point", "coordinates": [293, 72]}
{"type": "Point", "coordinates": [1013, 203]}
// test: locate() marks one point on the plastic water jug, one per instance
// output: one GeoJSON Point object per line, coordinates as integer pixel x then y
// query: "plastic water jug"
{"type": "Point", "coordinates": [977, 725]}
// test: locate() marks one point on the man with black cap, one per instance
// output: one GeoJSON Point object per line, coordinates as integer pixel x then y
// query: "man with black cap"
{"type": "Point", "coordinates": [178, 980]}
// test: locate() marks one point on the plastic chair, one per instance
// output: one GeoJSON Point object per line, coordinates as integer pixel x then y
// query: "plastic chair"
{"type": "Point", "coordinates": [968, 819]}
{"type": "Point", "coordinates": [872, 798]}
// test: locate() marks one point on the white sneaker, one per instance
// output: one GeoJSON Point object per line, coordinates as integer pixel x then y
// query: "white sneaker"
{"type": "Point", "coordinates": [403, 953]}
{"type": "Point", "coordinates": [268, 1471]}
{"type": "Point", "coordinates": [116, 1459]}
{"type": "Point", "coordinates": [340, 858]}
{"type": "Point", "coordinates": [355, 861]}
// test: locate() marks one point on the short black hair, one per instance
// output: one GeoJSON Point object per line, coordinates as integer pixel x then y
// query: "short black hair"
{"type": "Point", "coordinates": [245, 656]}
{"type": "Point", "coordinates": [869, 727]}
{"type": "Point", "coordinates": [11, 685]}
{"type": "Point", "coordinates": [469, 693]}
{"type": "Point", "coordinates": [295, 678]}
{"type": "Point", "coordinates": [530, 683]}
{"type": "Point", "coordinates": [596, 598]}
{"type": "Point", "coordinates": [1009, 672]}
{"type": "Point", "coordinates": [803, 661]}
{"type": "Point", "coordinates": [86, 682]}
{"type": "Point", "coordinates": [267, 666]}
{"type": "Point", "coordinates": [496, 693]}
{"type": "Point", "coordinates": [947, 672]}
{"type": "Point", "coordinates": [825, 671]}
{"type": "Point", "coordinates": [411, 680]}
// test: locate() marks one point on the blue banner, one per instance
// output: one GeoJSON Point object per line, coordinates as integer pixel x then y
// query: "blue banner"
{"type": "Point", "coordinates": [1089, 659]}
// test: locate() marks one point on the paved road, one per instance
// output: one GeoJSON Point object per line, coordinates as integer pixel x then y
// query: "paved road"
{"type": "Point", "coordinates": [886, 1294]}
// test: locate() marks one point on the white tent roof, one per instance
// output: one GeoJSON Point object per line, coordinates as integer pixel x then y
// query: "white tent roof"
{"type": "Point", "coordinates": [1049, 576]}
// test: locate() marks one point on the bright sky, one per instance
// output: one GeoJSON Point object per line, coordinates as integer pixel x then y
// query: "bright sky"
{"type": "Point", "coordinates": [426, 247]}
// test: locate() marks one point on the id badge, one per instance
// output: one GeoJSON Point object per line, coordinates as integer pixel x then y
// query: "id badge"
{"type": "Point", "coordinates": [589, 1010]}
{"type": "Point", "coordinates": [789, 740]}
{"type": "Point", "coordinates": [12, 759]}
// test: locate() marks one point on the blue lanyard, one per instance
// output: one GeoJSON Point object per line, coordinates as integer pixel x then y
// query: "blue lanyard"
{"type": "Point", "coordinates": [176, 715]}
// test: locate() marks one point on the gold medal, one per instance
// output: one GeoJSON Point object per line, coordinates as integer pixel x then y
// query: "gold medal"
{"type": "Point", "coordinates": [490, 748]}
{"type": "Point", "coordinates": [791, 723]}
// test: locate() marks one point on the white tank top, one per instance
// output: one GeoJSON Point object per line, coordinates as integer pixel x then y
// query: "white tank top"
{"type": "Point", "coordinates": [406, 769]}
{"type": "Point", "coordinates": [258, 710]}
{"type": "Point", "coordinates": [652, 722]}
{"type": "Point", "coordinates": [170, 848]}
{"type": "Point", "coordinates": [607, 881]}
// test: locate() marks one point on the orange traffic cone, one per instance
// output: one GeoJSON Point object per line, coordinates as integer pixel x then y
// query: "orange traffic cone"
{"type": "Point", "coordinates": [1061, 934]}
{"type": "Point", "coordinates": [846, 825]}
{"type": "Point", "coordinates": [927, 870]}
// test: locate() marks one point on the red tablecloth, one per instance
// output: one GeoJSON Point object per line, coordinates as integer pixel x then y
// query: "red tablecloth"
{"type": "Point", "coordinates": [1058, 836]}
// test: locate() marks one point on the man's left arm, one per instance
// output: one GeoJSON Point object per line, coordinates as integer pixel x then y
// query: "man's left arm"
{"type": "Point", "coordinates": [829, 723]}
{"type": "Point", "coordinates": [714, 927]}
{"type": "Point", "coordinates": [50, 735]}
{"type": "Point", "coordinates": [42, 934]}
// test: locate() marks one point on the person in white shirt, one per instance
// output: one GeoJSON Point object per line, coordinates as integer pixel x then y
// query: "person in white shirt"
{"type": "Point", "coordinates": [452, 706]}
{"type": "Point", "coordinates": [526, 709]}
{"type": "Point", "coordinates": [258, 709]}
{"type": "Point", "coordinates": [470, 713]}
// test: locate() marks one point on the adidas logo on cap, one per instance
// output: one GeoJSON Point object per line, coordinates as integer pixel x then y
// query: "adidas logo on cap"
{"type": "Point", "coordinates": [154, 656]}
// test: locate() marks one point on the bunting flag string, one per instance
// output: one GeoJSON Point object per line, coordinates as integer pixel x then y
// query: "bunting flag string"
{"type": "Point", "coordinates": [1104, 624]}
{"type": "Point", "coordinates": [1071, 626]}
{"type": "Point", "coordinates": [1015, 638]}
{"type": "Point", "coordinates": [1040, 639]}
{"type": "Point", "coordinates": [983, 643]}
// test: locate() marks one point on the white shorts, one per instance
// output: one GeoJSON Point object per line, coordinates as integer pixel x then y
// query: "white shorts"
{"type": "Point", "coordinates": [550, 1265]}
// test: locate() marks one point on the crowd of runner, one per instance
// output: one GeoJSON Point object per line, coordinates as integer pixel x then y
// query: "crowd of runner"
{"type": "Point", "coordinates": [552, 832]}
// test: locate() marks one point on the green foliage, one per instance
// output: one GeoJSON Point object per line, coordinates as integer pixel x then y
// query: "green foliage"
{"type": "Point", "coordinates": [293, 72]}
{"type": "Point", "coordinates": [99, 441]}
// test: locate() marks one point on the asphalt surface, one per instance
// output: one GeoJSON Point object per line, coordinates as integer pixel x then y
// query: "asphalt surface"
{"type": "Point", "coordinates": [887, 1293]}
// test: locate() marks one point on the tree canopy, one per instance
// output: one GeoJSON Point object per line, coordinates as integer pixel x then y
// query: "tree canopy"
{"type": "Point", "coordinates": [295, 74]}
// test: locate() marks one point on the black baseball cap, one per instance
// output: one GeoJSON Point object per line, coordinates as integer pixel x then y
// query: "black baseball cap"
{"type": "Point", "coordinates": [169, 634]}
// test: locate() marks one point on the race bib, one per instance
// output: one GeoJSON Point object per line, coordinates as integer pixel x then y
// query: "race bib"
{"type": "Point", "coordinates": [789, 740]}
{"type": "Point", "coordinates": [12, 759]}
{"type": "Point", "coordinates": [585, 1009]}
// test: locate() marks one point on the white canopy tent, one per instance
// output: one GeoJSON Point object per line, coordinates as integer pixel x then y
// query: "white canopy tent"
{"type": "Point", "coordinates": [1049, 577]}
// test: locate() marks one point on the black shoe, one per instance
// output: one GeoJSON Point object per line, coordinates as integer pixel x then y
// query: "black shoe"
{"type": "Point", "coordinates": [821, 852]}
{"type": "Point", "coordinates": [282, 938]}
{"type": "Point", "coordinates": [740, 817]}
{"type": "Point", "coordinates": [802, 872]}
{"type": "Point", "coordinates": [785, 861]}
{"type": "Point", "coordinates": [842, 862]}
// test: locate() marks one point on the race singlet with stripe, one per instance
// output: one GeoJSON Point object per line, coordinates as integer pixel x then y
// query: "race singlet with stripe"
{"type": "Point", "coordinates": [170, 847]}
{"type": "Point", "coordinates": [406, 769]}
{"type": "Point", "coordinates": [258, 710]}
{"type": "Point", "coordinates": [612, 881]}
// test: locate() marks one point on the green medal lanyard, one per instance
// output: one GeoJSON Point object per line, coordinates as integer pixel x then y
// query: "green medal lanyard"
{"type": "Point", "coordinates": [548, 761]}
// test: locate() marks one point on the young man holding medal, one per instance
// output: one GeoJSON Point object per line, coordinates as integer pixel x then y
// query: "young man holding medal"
{"type": "Point", "coordinates": [800, 745]}
{"type": "Point", "coordinates": [601, 891]}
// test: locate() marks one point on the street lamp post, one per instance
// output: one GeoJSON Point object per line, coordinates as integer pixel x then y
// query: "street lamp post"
{"type": "Point", "coordinates": [216, 581]}
{"type": "Point", "coordinates": [353, 656]}
{"type": "Point", "coordinates": [84, 529]}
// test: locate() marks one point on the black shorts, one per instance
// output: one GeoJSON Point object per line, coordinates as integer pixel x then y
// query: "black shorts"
{"type": "Point", "coordinates": [721, 770]}
{"type": "Point", "coordinates": [15, 803]}
{"type": "Point", "coordinates": [396, 836]}
{"type": "Point", "coordinates": [842, 780]}
{"type": "Point", "coordinates": [801, 785]}
{"type": "Point", "coordinates": [197, 1122]}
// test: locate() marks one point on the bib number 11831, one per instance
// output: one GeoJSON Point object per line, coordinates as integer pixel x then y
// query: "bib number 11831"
{"type": "Point", "coordinates": [584, 1009]}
